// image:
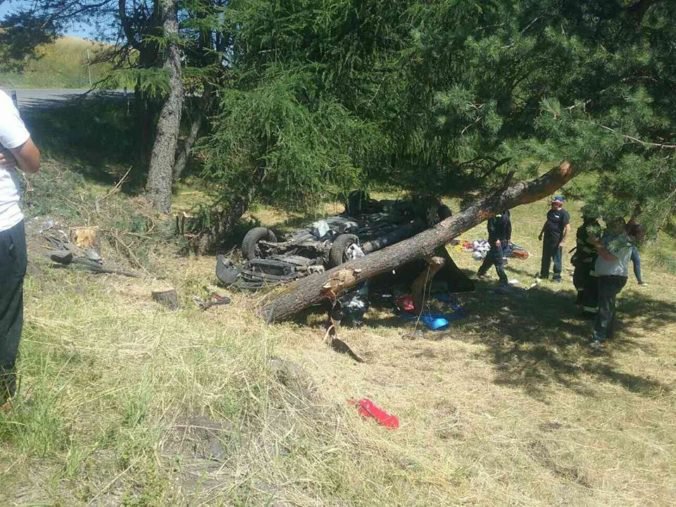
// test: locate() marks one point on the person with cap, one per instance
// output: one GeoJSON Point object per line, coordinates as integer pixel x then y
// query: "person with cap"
{"type": "Point", "coordinates": [499, 236]}
{"type": "Point", "coordinates": [17, 151]}
{"type": "Point", "coordinates": [584, 277]}
{"type": "Point", "coordinates": [611, 268]}
{"type": "Point", "coordinates": [553, 235]}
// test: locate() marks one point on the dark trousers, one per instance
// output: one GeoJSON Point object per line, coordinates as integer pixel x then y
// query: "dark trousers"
{"type": "Point", "coordinates": [609, 288]}
{"type": "Point", "coordinates": [586, 285]}
{"type": "Point", "coordinates": [636, 261]}
{"type": "Point", "coordinates": [494, 257]}
{"type": "Point", "coordinates": [590, 296]}
{"type": "Point", "coordinates": [551, 251]}
{"type": "Point", "coordinates": [12, 271]}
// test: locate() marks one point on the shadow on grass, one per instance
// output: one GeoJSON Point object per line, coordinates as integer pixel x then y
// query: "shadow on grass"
{"type": "Point", "coordinates": [536, 338]}
{"type": "Point", "coordinates": [95, 135]}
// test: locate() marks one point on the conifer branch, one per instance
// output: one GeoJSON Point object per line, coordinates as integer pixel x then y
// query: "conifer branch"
{"type": "Point", "coordinates": [639, 141]}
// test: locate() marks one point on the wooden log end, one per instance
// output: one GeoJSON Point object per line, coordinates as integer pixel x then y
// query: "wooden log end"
{"type": "Point", "coordinates": [167, 298]}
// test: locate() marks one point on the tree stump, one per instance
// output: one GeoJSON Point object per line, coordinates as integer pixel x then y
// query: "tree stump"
{"type": "Point", "coordinates": [84, 237]}
{"type": "Point", "coordinates": [167, 298]}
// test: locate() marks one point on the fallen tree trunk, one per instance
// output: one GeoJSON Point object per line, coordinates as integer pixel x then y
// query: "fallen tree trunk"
{"type": "Point", "coordinates": [313, 289]}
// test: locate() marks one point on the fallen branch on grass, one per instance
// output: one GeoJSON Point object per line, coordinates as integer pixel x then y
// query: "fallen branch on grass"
{"type": "Point", "coordinates": [66, 258]}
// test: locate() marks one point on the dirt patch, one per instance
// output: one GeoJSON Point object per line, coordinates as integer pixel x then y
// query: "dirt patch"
{"type": "Point", "coordinates": [197, 448]}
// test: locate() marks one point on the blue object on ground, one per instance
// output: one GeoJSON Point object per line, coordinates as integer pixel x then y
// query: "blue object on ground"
{"type": "Point", "coordinates": [436, 321]}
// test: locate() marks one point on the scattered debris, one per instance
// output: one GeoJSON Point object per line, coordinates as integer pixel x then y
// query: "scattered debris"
{"type": "Point", "coordinates": [353, 306]}
{"type": "Point", "coordinates": [214, 300]}
{"type": "Point", "coordinates": [434, 321]}
{"type": "Point", "coordinates": [368, 409]}
{"type": "Point", "coordinates": [78, 249]}
{"type": "Point", "coordinates": [405, 303]}
{"type": "Point", "coordinates": [67, 258]}
{"type": "Point", "coordinates": [331, 335]}
{"type": "Point", "coordinates": [480, 247]}
{"type": "Point", "coordinates": [365, 226]}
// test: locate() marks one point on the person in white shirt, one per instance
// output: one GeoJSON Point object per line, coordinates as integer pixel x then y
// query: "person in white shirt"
{"type": "Point", "coordinates": [17, 151]}
{"type": "Point", "coordinates": [611, 268]}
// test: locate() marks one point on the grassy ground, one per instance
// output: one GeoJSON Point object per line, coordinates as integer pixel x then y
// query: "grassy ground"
{"type": "Point", "coordinates": [125, 402]}
{"type": "Point", "coordinates": [68, 62]}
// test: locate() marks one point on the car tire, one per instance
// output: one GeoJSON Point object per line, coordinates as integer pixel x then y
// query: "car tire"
{"type": "Point", "coordinates": [340, 245]}
{"type": "Point", "coordinates": [250, 248]}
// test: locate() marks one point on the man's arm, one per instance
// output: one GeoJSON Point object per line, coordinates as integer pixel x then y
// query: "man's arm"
{"type": "Point", "coordinates": [566, 227]}
{"type": "Point", "coordinates": [27, 156]}
{"type": "Point", "coordinates": [602, 250]}
{"type": "Point", "coordinates": [564, 234]}
{"type": "Point", "coordinates": [542, 231]}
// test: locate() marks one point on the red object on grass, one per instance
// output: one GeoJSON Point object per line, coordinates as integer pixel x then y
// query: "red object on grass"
{"type": "Point", "coordinates": [367, 408]}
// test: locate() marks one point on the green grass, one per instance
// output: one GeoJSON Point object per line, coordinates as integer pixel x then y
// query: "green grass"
{"type": "Point", "coordinates": [125, 402]}
{"type": "Point", "coordinates": [68, 62]}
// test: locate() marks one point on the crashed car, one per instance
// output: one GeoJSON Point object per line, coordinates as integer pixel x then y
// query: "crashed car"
{"type": "Point", "coordinates": [365, 226]}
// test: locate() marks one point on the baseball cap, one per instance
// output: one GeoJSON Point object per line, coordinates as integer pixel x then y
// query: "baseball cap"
{"type": "Point", "coordinates": [558, 198]}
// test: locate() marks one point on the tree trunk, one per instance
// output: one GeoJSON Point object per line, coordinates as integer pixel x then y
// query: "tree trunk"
{"type": "Point", "coordinates": [160, 175]}
{"type": "Point", "coordinates": [202, 109]}
{"type": "Point", "coordinates": [186, 148]}
{"type": "Point", "coordinates": [146, 113]}
{"type": "Point", "coordinates": [313, 289]}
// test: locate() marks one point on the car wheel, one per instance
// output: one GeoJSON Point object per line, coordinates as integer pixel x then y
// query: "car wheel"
{"type": "Point", "coordinates": [250, 248]}
{"type": "Point", "coordinates": [338, 252]}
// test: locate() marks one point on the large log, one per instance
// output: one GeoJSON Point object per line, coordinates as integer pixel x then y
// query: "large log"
{"type": "Point", "coordinates": [315, 288]}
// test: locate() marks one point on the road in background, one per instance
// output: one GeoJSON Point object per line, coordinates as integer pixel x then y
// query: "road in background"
{"type": "Point", "coordinates": [48, 97]}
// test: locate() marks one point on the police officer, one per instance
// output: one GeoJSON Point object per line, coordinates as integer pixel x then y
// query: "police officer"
{"type": "Point", "coordinates": [584, 277]}
{"type": "Point", "coordinates": [554, 233]}
{"type": "Point", "coordinates": [499, 236]}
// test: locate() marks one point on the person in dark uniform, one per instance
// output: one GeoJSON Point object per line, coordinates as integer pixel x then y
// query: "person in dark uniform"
{"type": "Point", "coordinates": [554, 233]}
{"type": "Point", "coordinates": [584, 258]}
{"type": "Point", "coordinates": [499, 236]}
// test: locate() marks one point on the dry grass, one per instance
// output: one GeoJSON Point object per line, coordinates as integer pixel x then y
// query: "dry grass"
{"type": "Point", "coordinates": [124, 402]}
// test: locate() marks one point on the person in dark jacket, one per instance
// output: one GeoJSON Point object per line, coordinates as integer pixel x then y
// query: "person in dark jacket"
{"type": "Point", "coordinates": [553, 236]}
{"type": "Point", "coordinates": [584, 258]}
{"type": "Point", "coordinates": [499, 236]}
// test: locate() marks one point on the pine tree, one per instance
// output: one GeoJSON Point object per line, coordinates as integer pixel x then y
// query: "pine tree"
{"type": "Point", "coordinates": [448, 97]}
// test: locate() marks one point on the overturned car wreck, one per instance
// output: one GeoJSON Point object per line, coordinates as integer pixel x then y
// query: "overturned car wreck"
{"type": "Point", "coordinates": [365, 226]}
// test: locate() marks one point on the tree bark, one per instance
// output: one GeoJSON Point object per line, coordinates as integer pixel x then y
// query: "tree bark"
{"type": "Point", "coordinates": [160, 175]}
{"type": "Point", "coordinates": [202, 109]}
{"type": "Point", "coordinates": [186, 148]}
{"type": "Point", "coordinates": [315, 288]}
